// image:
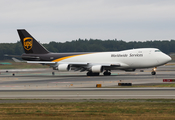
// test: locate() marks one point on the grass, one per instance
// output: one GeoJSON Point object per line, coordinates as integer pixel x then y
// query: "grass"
{"type": "Point", "coordinates": [148, 85]}
{"type": "Point", "coordinates": [160, 85]}
{"type": "Point", "coordinates": [20, 65]}
{"type": "Point", "coordinates": [90, 110]}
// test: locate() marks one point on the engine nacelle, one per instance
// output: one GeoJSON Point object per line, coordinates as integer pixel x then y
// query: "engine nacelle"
{"type": "Point", "coordinates": [64, 67]}
{"type": "Point", "coordinates": [97, 68]}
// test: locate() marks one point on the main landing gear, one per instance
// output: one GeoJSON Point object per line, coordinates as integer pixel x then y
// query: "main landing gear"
{"type": "Point", "coordinates": [154, 71]}
{"type": "Point", "coordinates": [107, 73]}
{"type": "Point", "coordinates": [90, 73]}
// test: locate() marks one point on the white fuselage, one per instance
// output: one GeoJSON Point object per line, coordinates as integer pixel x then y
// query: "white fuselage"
{"type": "Point", "coordinates": [134, 58]}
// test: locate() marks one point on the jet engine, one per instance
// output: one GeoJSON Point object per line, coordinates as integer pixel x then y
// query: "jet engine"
{"type": "Point", "coordinates": [64, 67]}
{"type": "Point", "coordinates": [97, 68]}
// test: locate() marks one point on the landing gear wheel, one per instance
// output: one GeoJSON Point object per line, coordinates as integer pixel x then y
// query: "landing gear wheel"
{"type": "Point", "coordinates": [106, 73]}
{"type": "Point", "coordinates": [153, 72]}
{"type": "Point", "coordinates": [90, 73]}
{"type": "Point", "coordinates": [96, 74]}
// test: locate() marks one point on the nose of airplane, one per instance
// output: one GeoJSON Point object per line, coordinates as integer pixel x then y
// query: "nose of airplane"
{"type": "Point", "coordinates": [163, 59]}
{"type": "Point", "coordinates": [166, 59]}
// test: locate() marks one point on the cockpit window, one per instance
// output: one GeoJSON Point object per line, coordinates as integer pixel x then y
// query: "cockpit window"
{"type": "Point", "coordinates": [157, 51]}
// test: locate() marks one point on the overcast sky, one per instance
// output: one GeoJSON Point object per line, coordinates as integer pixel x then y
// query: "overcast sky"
{"type": "Point", "coordinates": [66, 20]}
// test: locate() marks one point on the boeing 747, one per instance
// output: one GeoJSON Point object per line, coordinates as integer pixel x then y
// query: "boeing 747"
{"type": "Point", "coordinates": [92, 62]}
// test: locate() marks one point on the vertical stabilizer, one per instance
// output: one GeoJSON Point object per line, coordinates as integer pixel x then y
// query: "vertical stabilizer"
{"type": "Point", "coordinates": [30, 45]}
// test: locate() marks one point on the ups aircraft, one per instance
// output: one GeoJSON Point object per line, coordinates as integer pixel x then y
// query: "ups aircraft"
{"type": "Point", "coordinates": [92, 62]}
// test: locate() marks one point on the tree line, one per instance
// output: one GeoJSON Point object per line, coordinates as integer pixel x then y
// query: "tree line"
{"type": "Point", "coordinates": [91, 45]}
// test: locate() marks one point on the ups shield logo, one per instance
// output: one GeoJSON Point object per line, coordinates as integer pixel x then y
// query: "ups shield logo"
{"type": "Point", "coordinates": [28, 43]}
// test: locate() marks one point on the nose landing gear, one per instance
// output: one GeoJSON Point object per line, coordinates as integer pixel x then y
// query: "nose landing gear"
{"type": "Point", "coordinates": [154, 71]}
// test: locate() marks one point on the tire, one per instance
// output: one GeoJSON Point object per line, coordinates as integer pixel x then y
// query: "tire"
{"type": "Point", "coordinates": [106, 73]}
{"type": "Point", "coordinates": [92, 74]}
{"type": "Point", "coordinates": [89, 73]}
{"type": "Point", "coordinates": [153, 73]}
{"type": "Point", "coordinates": [96, 74]}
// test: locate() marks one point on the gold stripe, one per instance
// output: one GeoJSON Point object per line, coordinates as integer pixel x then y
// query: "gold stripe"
{"type": "Point", "coordinates": [63, 58]}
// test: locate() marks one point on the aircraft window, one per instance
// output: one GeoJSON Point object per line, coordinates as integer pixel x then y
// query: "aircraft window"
{"type": "Point", "coordinates": [157, 51]}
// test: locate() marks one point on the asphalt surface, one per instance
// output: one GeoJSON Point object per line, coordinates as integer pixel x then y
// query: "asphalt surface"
{"type": "Point", "coordinates": [90, 93]}
{"type": "Point", "coordinates": [41, 84]}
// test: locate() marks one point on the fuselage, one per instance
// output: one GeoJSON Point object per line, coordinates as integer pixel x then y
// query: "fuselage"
{"type": "Point", "coordinates": [134, 58]}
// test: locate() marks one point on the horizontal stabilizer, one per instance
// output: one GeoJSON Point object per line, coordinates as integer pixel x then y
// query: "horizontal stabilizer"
{"type": "Point", "coordinates": [16, 60]}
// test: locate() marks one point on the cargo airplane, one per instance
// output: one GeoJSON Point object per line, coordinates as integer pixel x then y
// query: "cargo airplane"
{"type": "Point", "coordinates": [92, 62]}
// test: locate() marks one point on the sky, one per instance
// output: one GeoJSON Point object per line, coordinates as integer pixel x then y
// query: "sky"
{"type": "Point", "coordinates": [67, 20]}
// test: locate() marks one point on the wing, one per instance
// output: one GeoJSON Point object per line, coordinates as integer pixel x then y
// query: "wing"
{"type": "Point", "coordinates": [57, 63]}
{"type": "Point", "coordinates": [81, 66]}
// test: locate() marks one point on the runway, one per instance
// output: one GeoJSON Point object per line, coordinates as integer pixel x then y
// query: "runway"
{"type": "Point", "coordinates": [90, 93]}
{"type": "Point", "coordinates": [75, 85]}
